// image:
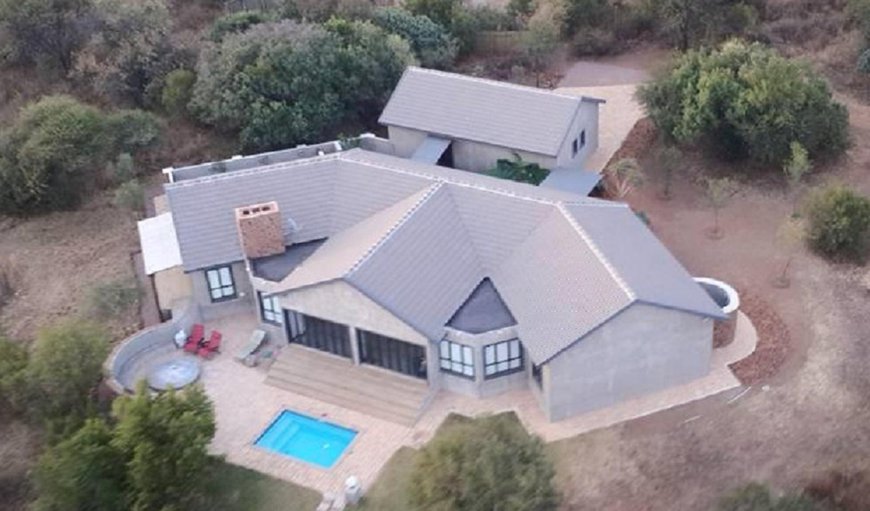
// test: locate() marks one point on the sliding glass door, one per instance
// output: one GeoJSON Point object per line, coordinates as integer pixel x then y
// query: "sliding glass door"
{"type": "Point", "coordinates": [393, 354]}
{"type": "Point", "coordinates": [317, 333]}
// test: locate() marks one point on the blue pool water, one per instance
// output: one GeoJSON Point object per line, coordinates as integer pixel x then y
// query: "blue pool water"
{"type": "Point", "coordinates": [306, 438]}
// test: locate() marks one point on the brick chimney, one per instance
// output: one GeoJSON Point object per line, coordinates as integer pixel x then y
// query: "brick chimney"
{"type": "Point", "coordinates": [261, 232]}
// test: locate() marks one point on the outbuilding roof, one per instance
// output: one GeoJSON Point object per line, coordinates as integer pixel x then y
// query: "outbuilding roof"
{"type": "Point", "coordinates": [469, 108]}
{"type": "Point", "coordinates": [418, 240]}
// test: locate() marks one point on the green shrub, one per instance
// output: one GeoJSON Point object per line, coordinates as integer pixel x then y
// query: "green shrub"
{"type": "Point", "coordinates": [838, 223]}
{"type": "Point", "coordinates": [123, 169]}
{"type": "Point", "coordinates": [485, 464]}
{"type": "Point", "coordinates": [757, 497]}
{"type": "Point", "coordinates": [744, 101]}
{"type": "Point", "coordinates": [594, 42]}
{"type": "Point", "coordinates": [430, 41]}
{"type": "Point", "coordinates": [580, 14]}
{"type": "Point", "coordinates": [236, 22]}
{"type": "Point", "coordinates": [863, 65]}
{"type": "Point", "coordinates": [65, 368]}
{"type": "Point", "coordinates": [439, 11]}
{"type": "Point", "coordinates": [281, 84]}
{"type": "Point", "coordinates": [51, 156]}
{"type": "Point", "coordinates": [519, 170]}
{"type": "Point", "coordinates": [46, 31]}
{"type": "Point", "coordinates": [177, 91]}
{"type": "Point", "coordinates": [130, 195]}
{"type": "Point", "coordinates": [133, 130]}
{"type": "Point", "coordinates": [13, 363]}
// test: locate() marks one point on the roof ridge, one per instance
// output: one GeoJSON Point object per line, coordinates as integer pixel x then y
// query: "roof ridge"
{"type": "Point", "coordinates": [597, 251]}
{"type": "Point", "coordinates": [372, 249]}
{"type": "Point", "coordinates": [488, 81]}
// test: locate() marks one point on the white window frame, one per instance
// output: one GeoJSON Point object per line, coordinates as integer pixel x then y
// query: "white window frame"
{"type": "Point", "coordinates": [456, 358]}
{"type": "Point", "coordinates": [270, 311]}
{"type": "Point", "coordinates": [221, 284]}
{"type": "Point", "coordinates": [502, 358]}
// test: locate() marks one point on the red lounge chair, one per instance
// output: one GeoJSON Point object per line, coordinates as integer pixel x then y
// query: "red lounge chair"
{"type": "Point", "coordinates": [212, 346]}
{"type": "Point", "coordinates": [195, 338]}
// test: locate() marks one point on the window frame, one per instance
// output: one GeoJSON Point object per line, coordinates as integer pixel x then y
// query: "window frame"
{"type": "Point", "coordinates": [575, 147]}
{"type": "Point", "coordinates": [513, 363]}
{"type": "Point", "coordinates": [465, 362]}
{"type": "Point", "coordinates": [222, 286]}
{"type": "Point", "coordinates": [275, 310]}
{"type": "Point", "coordinates": [582, 139]}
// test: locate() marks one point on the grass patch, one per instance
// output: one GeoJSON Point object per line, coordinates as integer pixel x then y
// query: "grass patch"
{"type": "Point", "coordinates": [235, 488]}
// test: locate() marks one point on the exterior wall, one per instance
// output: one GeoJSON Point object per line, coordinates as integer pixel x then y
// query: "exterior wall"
{"type": "Point", "coordinates": [479, 386]}
{"type": "Point", "coordinates": [340, 302]}
{"type": "Point", "coordinates": [644, 349]}
{"type": "Point", "coordinates": [467, 155]}
{"type": "Point", "coordinates": [586, 119]}
{"type": "Point", "coordinates": [243, 301]}
{"type": "Point", "coordinates": [172, 285]}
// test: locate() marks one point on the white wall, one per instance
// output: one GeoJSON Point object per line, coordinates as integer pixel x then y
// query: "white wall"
{"type": "Point", "coordinates": [211, 310]}
{"type": "Point", "coordinates": [643, 349]}
{"type": "Point", "coordinates": [586, 119]}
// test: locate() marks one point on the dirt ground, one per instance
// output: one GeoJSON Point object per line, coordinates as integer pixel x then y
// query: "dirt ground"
{"type": "Point", "coordinates": [810, 417]}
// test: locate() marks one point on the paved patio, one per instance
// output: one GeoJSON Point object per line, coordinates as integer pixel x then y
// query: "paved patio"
{"type": "Point", "coordinates": [245, 406]}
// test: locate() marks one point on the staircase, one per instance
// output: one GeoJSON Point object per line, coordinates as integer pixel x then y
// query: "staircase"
{"type": "Point", "coordinates": [336, 380]}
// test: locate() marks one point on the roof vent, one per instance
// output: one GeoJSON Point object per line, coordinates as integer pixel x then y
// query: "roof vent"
{"type": "Point", "coordinates": [261, 230]}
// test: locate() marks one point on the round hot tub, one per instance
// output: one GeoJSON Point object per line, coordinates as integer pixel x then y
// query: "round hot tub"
{"type": "Point", "coordinates": [728, 300]}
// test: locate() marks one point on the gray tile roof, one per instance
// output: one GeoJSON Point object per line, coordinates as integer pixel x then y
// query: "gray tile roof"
{"type": "Point", "coordinates": [418, 239]}
{"type": "Point", "coordinates": [483, 311]}
{"type": "Point", "coordinates": [469, 108]}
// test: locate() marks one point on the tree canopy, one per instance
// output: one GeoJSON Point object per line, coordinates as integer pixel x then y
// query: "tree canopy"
{"type": "Point", "coordinates": [430, 41]}
{"type": "Point", "coordinates": [485, 464]}
{"type": "Point", "coordinates": [281, 84]}
{"type": "Point", "coordinates": [744, 101]}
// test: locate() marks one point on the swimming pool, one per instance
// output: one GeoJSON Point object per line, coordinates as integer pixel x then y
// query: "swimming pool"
{"type": "Point", "coordinates": [306, 438]}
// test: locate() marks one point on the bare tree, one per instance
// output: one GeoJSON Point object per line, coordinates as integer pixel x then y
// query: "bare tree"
{"type": "Point", "coordinates": [622, 177]}
{"type": "Point", "coordinates": [719, 192]}
{"type": "Point", "coordinates": [670, 158]}
{"type": "Point", "coordinates": [797, 166]}
{"type": "Point", "coordinates": [788, 236]}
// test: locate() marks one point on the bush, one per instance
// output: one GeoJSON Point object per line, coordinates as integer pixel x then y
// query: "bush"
{"type": "Point", "coordinates": [65, 367]}
{"type": "Point", "coordinates": [439, 11]}
{"type": "Point", "coordinates": [863, 65]}
{"type": "Point", "coordinates": [580, 14]}
{"type": "Point", "coordinates": [744, 101]}
{"type": "Point", "coordinates": [13, 362]}
{"type": "Point", "coordinates": [839, 223]}
{"type": "Point", "coordinates": [177, 91]}
{"type": "Point", "coordinates": [430, 41]}
{"type": "Point", "coordinates": [282, 84]}
{"type": "Point", "coordinates": [519, 170]}
{"type": "Point", "coordinates": [111, 299]}
{"type": "Point", "coordinates": [236, 22]}
{"type": "Point", "coordinates": [9, 276]}
{"type": "Point", "coordinates": [50, 156]}
{"type": "Point", "coordinates": [593, 42]}
{"type": "Point", "coordinates": [757, 497]}
{"type": "Point", "coordinates": [485, 464]}
{"type": "Point", "coordinates": [129, 51]}
{"type": "Point", "coordinates": [46, 30]}
{"type": "Point", "coordinates": [133, 131]}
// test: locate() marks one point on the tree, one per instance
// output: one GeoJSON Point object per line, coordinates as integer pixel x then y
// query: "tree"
{"type": "Point", "coordinates": [439, 11]}
{"type": "Point", "coordinates": [50, 155]}
{"type": "Point", "coordinates": [719, 192]}
{"type": "Point", "coordinates": [485, 464]}
{"type": "Point", "coordinates": [281, 84]}
{"type": "Point", "coordinates": [788, 236]}
{"type": "Point", "coordinates": [84, 471]}
{"type": "Point", "coordinates": [797, 166]}
{"type": "Point", "coordinates": [46, 30]}
{"type": "Point", "coordinates": [177, 91]}
{"type": "Point", "coordinates": [580, 14]}
{"type": "Point", "coordinates": [744, 101]}
{"type": "Point", "coordinates": [236, 22]}
{"type": "Point", "coordinates": [693, 22]}
{"type": "Point", "coordinates": [838, 223]}
{"type": "Point", "coordinates": [540, 41]}
{"type": "Point", "coordinates": [129, 53]}
{"type": "Point", "coordinates": [519, 170]}
{"type": "Point", "coordinates": [430, 41]}
{"type": "Point", "coordinates": [622, 177]}
{"type": "Point", "coordinates": [164, 440]}
{"type": "Point", "coordinates": [65, 367]}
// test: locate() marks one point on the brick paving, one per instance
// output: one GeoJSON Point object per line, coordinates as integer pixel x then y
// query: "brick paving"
{"type": "Point", "coordinates": [245, 406]}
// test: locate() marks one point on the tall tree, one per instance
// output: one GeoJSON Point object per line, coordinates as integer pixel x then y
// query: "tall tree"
{"type": "Point", "coordinates": [47, 29]}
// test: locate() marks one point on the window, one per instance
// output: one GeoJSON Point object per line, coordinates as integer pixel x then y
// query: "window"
{"type": "Point", "coordinates": [220, 283]}
{"type": "Point", "coordinates": [538, 375]}
{"type": "Point", "coordinates": [502, 358]}
{"type": "Point", "coordinates": [583, 138]}
{"type": "Point", "coordinates": [457, 359]}
{"type": "Point", "coordinates": [574, 147]}
{"type": "Point", "coordinates": [270, 310]}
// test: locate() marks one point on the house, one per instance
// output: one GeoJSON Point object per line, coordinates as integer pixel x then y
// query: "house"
{"type": "Point", "coordinates": [470, 123]}
{"type": "Point", "coordinates": [460, 281]}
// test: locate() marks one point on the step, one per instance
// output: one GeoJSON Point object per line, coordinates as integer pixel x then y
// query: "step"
{"type": "Point", "coordinates": [306, 357]}
{"type": "Point", "coordinates": [376, 385]}
{"type": "Point", "coordinates": [401, 413]}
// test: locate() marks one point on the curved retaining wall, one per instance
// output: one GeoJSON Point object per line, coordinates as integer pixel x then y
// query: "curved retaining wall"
{"type": "Point", "coordinates": [121, 368]}
{"type": "Point", "coordinates": [723, 331]}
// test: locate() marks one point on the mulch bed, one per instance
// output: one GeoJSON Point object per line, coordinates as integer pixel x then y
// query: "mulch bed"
{"type": "Point", "coordinates": [773, 342]}
{"type": "Point", "coordinates": [638, 141]}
